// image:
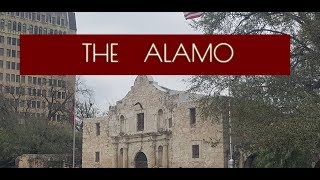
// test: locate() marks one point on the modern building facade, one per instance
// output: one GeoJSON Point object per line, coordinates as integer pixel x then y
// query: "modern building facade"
{"type": "Point", "coordinates": [153, 126]}
{"type": "Point", "coordinates": [33, 96]}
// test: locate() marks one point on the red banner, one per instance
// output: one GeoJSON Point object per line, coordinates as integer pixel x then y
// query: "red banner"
{"type": "Point", "coordinates": [155, 54]}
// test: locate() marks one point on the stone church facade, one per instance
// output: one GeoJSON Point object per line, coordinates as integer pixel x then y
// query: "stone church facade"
{"type": "Point", "coordinates": [153, 126]}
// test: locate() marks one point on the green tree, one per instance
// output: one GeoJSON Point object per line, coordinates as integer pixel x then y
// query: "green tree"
{"type": "Point", "coordinates": [34, 136]}
{"type": "Point", "coordinates": [276, 117]}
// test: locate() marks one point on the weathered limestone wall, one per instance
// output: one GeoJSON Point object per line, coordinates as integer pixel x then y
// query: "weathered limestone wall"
{"type": "Point", "coordinates": [93, 143]}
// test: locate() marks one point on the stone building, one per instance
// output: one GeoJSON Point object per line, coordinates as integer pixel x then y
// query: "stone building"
{"type": "Point", "coordinates": [32, 95]}
{"type": "Point", "coordinates": [153, 126]}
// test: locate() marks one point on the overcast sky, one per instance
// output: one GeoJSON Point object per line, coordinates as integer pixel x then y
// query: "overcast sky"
{"type": "Point", "coordinates": [109, 89]}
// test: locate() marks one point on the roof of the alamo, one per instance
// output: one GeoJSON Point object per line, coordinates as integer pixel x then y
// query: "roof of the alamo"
{"type": "Point", "coordinates": [183, 95]}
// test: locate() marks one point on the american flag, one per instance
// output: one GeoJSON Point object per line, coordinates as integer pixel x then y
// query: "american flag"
{"type": "Point", "coordinates": [192, 15]}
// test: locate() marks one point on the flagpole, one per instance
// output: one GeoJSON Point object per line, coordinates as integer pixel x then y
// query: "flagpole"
{"type": "Point", "coordinates": [74, 136]}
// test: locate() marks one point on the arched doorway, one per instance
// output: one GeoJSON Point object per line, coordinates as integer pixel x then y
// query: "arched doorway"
{"type": "Point", "coordinates": [140, 161]}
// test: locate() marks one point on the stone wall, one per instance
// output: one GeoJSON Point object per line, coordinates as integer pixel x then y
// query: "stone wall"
{"type": "Point", "coordinates": [46, 161]}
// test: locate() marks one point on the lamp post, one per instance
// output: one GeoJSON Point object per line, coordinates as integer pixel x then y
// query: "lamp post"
{"type": "Point", "coordinates": [231, 161]}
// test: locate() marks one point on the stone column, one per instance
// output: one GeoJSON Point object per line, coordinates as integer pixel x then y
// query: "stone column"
{"type": "Point", "coordinates": [125, 156]}
{"type": "Point", "coordinates": [165, 155]}
{"type": "Point", "coordinates": [153, 156]}
{"type": "Point", "coordinates": [115, 155]}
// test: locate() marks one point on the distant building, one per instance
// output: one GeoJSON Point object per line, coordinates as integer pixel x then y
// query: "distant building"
{"type": "Point", "coordinates": [153, 126]}
{"type": "Point", "coordinates": [32, 95]}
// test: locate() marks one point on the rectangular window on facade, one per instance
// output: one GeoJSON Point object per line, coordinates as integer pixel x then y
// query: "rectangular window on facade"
{"type": "Point", "coordinates": [97, 129]}
{"type": "Point", "coordinates": [8, 65]}
{"type": "Point", "coordinates": [33, 17]}
{"type": "Point", "coordinates": [62, 22]}
{"type": "Point", "coordinates": [14, 53]}
{"type": "Point", "coordinates": [34, 80]}
{"type": "Point", "coordinates": [170, 122]}
{"type": "Point", "coordinates": [195, 151]}
{"type": "Point", "coordinates": [63, 95]}
{"type": "Point", "coordinates": [1, 76]}
{"type": "Point", "coordinates": [1, 64]}
{"type": "Point", "coordinates": [33, 104]}
{"type": "Point", "coordinates": [7, 77]}
{"type": "Point", "coordinates": [38, 16]}
{"type": "Point", "coordinates": [38, 104]}
{"type": "Point", "coordinates": [13, 65]}
{"type": "Point", "coordinates": [18, 54]}
{"type": "Point", "coordinates": [53, 20]}
{"type": "Point", "coordinates": [29, 80]}
{"type": "Point", "coordinates": [58, 20]}
{"type": "Point", "coordinates": [1, 39]}
{"type": "Point", "coordinates": [18, 42]}
{"type": "Point", "coordinates": [13, 78]}
{"type": "Point", "coordinates": [63, 83]}
{"type": "Point", "coordinates": [9, 40]}
{"type": "Point", "coordinates": [192, 116]}
{"type": "Point", "coordinates": [18, 66]}
{"type": "Point", "coordinates": [34, 92]}
{"type": "Point", "coordinates": [29, 91]}
{"type": "Point", "coordinates": [14, 41]}
{"type": "Point", "coordinates": [59, 83]}
{"type": "Point", "coordinates": [55, 83]}
{"type": "Point", "coordinates": [59, 95]}
{"type": "Point", "coordinates": [44, 93]}
{"type": "Point", "coordinates": [43, 18]}
{"type": "Point", "coordinates": [39, 81]}
{"type": "Point", "coordinates": [1, 52]}
{"type": "Point", "coordinates": [97, 157]}
{"type": "Point", "coordinates": [18, 78]}
{"type": "Point", "coordinates": [44, 81]}
{"type": "Point", "coordinates": [140, 122]}
{"type": "Point", "coordinates": [39, 92]}
{"type": "Point", "coordinates": [50, 82]}
{"type": "Point", "coordinates": [8, 52]}
{"type": "Point", "coordinates": [23, 79]}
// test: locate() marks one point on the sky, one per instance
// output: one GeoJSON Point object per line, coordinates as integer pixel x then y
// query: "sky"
{"type": "Point", "coordinates": [109, 89]}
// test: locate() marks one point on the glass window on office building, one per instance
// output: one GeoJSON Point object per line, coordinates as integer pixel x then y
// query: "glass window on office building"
{"type": "Point", "coordinates": [1, 52]}
{"type": "Point", "coordinates": [8, 52]}
{"type": "Point", "coordinates": [9, 40]}
{"type": "Point", "coordinates": [1, 39]}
